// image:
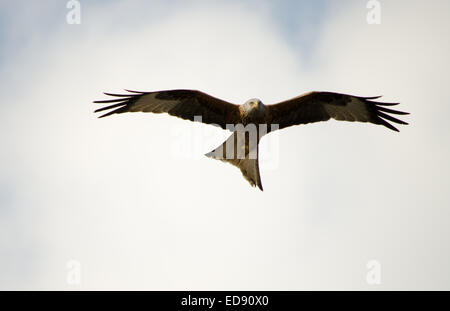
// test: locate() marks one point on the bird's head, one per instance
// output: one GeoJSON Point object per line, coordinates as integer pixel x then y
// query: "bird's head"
{"type": "Point", "coordinates": [253, 104]}
{"type": "Point", "coordinates": [254, 110]}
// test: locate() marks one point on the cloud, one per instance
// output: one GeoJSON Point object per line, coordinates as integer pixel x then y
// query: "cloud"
{"type": "Point", "coordinates": [109, 194]}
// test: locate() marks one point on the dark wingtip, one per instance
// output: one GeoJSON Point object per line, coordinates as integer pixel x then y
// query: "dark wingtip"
{"type": "Point", "coordinates": [386, 104]}
{"type": "Point", "coordinates": [390, 126]}
{"type": "Point", "coordinates": [106, 101]}
{"type": "Point", "coordinates": [392, 111]}
{"type": "Point", "coordinates": [121, 104]}
{"type": "Point", "coordinates": [383, 113]}
{"type": "Point", "coordinates": [390, 118]}
{"type": "Point", "coordinates": [120, 101]}
{"type": "Point", "coordinates": [108, 114]}
{"type": "Point", "coordinates": [137, 92]}
{"type": "Point", "coordinates": [117, 95]}
{"type": "Point", "coordinates": [102, 116]}
{"type": "Point", "coordinates": [372, 97]}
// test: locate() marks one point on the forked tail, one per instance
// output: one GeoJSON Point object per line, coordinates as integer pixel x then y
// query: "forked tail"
{"type": "Point", "coordinates": [242, 153]}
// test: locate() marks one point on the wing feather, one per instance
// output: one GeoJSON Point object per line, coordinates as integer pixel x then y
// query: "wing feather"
{"type": "Point", "coordinates": [185, 104]}
{"type": "Point", "coordinates": [321, 106]}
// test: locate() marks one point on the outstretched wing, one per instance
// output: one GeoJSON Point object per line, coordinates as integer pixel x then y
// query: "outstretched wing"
{"type": "Point", "coordinates": [185, 104]}
{"type": "Point", "coordinates": [321, 106]}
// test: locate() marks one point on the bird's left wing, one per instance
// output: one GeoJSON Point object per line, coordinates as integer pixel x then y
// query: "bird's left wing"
{"type": "Point", "coordinates": [321, 106]}
{"type": "Point", "coordinates": [185, 104]}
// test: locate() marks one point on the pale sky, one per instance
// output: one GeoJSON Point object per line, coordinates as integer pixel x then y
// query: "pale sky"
{"type": "Point", "coordinates": [114, 197]}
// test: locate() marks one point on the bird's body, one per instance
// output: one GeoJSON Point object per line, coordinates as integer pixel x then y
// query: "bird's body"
{"type": "Point", "coordinates": [250, 121]}
{"type": "Point", "coordinates": [241, 148]}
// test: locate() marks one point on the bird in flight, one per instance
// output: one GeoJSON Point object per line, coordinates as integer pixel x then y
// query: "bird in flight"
{"type": "Point", "coordinates": [252, 120]}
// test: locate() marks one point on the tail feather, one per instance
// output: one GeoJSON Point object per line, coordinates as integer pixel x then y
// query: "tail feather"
{"type": "Point", "coordinates": [241, 154]}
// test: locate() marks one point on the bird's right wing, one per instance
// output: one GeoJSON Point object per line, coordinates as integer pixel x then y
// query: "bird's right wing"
{"type": "Point", "coordinates": [185, 104]}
